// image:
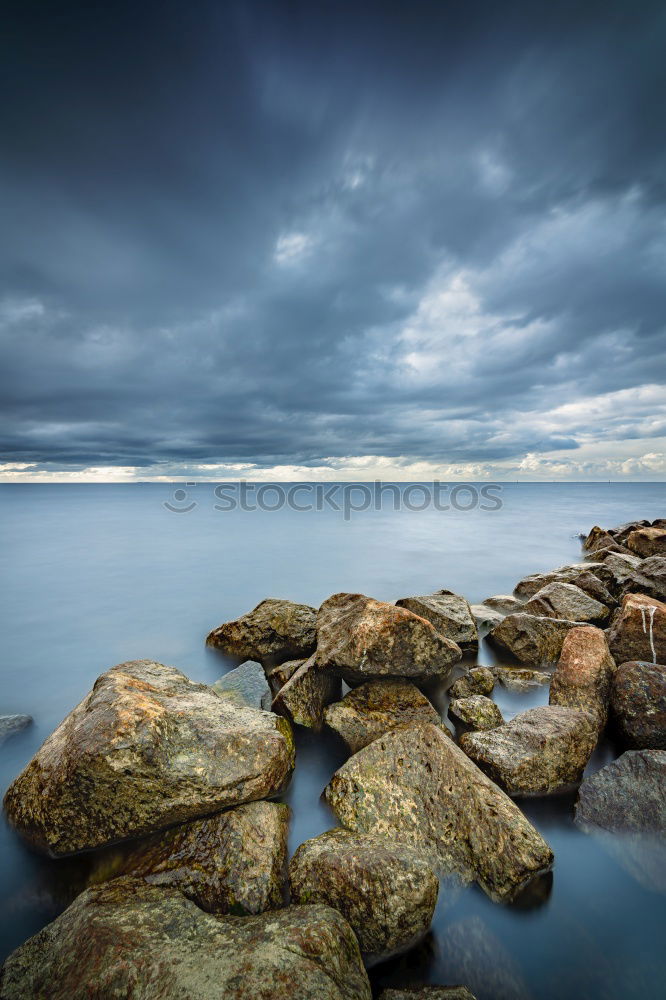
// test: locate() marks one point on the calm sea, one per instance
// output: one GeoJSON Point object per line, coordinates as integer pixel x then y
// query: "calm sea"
{"type": "Point", "coordinates": [98, 574]}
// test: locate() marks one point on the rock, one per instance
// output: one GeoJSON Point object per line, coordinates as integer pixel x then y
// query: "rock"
{"type": "Point", "coordinates": [530, 585]}
{"type": "Point", "coordinates": [11, 724]}
{"type": "Point", "coordinates": [622, 532]}
{"type": "Point", "coordinates": [615, 571]}
{"type": "Point", "coordinates": [638, 704]}
{"type": "Point", "coordinates": [233, 862]}
{"type": "Point", "coordinates": [542, 751]}
{"type": "Point", "coordinates": [415, 786]}
{"type": "Point", "coordinates": [385, 891]}
{"type": "Point", "coordinates": [593, 587]}
{"type": "Point", "coordinates": [305, 695]}
{"type": "Point", "coordinates": [598, 538]}
{"type": "Point", "coordinates": [624, 805]}
{"type": "Point", "coordinates": [476, 711]}
{"type": "Point", "coordinates": [375, 708]}
{"type": "Point", "coordinates": [520, 679]}
{"type": "Point", "coordinates": [362, 639]}
{"type": "Point", "coordinates": [245, 686]}
{"type": "Point", "coordinates": [132, 941]}
{"type": "Point", "coordinates": [279, 674]}
{"type": "Point", "coordinates": [449, 613]}
{"type": "Point", "coordinates": [565, 601]}
{"type": "Point", "coordinates": [648, 578]}
{"type": "Point", "coordinates": [583, 674]}
{"type": "Point", "coordinates": [145, 749]}
{"type": "Point", "coordinates": [647, 542]}
{"type": "Point", "coordinates": [638, 631]}
{"type": "Point", "coordinates": [484, 617]}
{"type": "Point", "coordinates": [428, 993]}
{"type": "Point", "coordinates": [478, 680]}
{"type": "Point", "coordinates": [273, 632]}
{"type": "Point", "coordinates": [504, 603]}
{"type": "Point", "coordinates": [533, 639]}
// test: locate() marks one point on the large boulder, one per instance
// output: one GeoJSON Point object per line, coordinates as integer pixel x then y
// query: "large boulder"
{"type": "Point", "coordinates": [622, 532]}
{"type": "Point", "coordinates": [520, 679]}
{"type": "Point", "coordinates": [375, 708]}
{"type": "Point", "coordinates": [361, 639]}
{"type": "Point", "coordinates": [145, 749]}
{"type": "Point", "coordinates": [451, 615]}
{"type": "Point", "coordinates": [597, 538]}
{"type": "Point", "coordinates": [530, 585]}
{"type": "Point", "coordinates": [505, 603]}
{"type": "Point", "coordinates": [246, 686]}
{"type": "Point", "coordinates": [583, 674]}
{"type": "Point", "coordinates": [638, 631]}
{"type": "Point", "coordinates": [647, 542]}
{"type": "Point", "coordinates": [478, 680]}
{"type": "Point", "coordinates": [616, 571]}
{"type": "Point", "coordinates": [428, 993]}
{"type": "Point", "coordinates": [127, 940]}
{"type": "Point", "coordinates": [11, 724]}
{"type": "Point", "coordinates": [476, 711]}
{"type": "Point", "coordinates": [233, 862]}
{"type": "Point", "coordinates": [638, 704]}
{"type": "Point", "coordinates": [542, 751]}
{"type": "Point", "coordinates": [648, 578]}
{"type": "Point", "coordinates": [273, 632]}
{"type": "Point", "coordinates": [532, 639]}
{"type": "Point", "coordinates": [588, 582]}
{"type": "Point", "coordinates": [624, 805]}
{"type": "Point", "coordinates": [305, 695]}
{"type": "Point", "coordinates": [386, 891]}
{"type": "Point", "coordinates": [564, 600]}
{"type": "Point", "coordinates": [416, 786]}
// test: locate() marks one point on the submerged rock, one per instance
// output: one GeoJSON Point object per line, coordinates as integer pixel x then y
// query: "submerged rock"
{"type": "Point", "coordinates": [233, 862]}
{"type": "Point", "coordinates": [416, 786]}
{"type": "Point", "coordinates": [449, 613]}
{"type": "Point", "coordinates": [11, 724]}
{"type": "Point", "coordinates": [520, 679]}
{"type": "Point", "coordinates": [476, 956]}
{"type": "Point", "coordinates": [532, 639]}
{"type": "Point", "coordinates": [132, 941]}
{"type": "Point", "coordinates": [375, 708]}
{"type": "Point", "coordinates": [638, 702]}
{"type": "Point", "coordinates": [476, 711]}
{"type": "Point", "coordinates": [273, 632]}
{"type": "Point", "coordinates": [542, 751]}
{"type": "Point", "coordinates": [530, 585]}
{"type": "Point", "coordinates": [145, 749]}
{"type": "Point", "coordinates": [478, 680]}
{"type": "Point", "coordinates": [245, 686]}
{"type": "Point", "coordinates": [638, 631]}
{"type": "Point", "coordinates": [583, 674]}
{"type": "Point", "coordinates": [564, 600]}
{"type": "Point", "coordinates": [647, 542]}
{"type": "Point", "coordinates": [361, 639]}
{"type": "Point", "coordinates": [648, 578]}
{"type": "Point", "coordinates": [305, 695]}
{"type": "Point", "coordinates": [428, 993]}
{"type": "Point", "coordinates": [386, 891]}
{"type": "Point", "coordinates": [624, 804]}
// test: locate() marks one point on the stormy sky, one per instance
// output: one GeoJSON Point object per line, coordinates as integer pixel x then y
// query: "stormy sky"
{"type": "Point", "coordinates": [306, 240]}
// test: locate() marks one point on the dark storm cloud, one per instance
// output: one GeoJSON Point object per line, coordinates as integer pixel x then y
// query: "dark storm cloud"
{"type": "Point", "coordinates": [284, 232]}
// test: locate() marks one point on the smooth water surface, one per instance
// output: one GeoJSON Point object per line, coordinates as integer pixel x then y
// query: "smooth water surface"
{"type": "Point", "coordinates": [98, 574]}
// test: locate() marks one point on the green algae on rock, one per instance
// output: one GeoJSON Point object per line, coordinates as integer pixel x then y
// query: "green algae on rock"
{"type": "Point", "coordinates": [374, 708]}
{"type": "Point", "coordinates": [476, 711]}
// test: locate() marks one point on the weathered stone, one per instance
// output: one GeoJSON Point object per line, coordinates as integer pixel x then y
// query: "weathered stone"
{"type": "Point", "coordinates": [520, 679]}
{"type": "Point", "coordinates": [593, 586]}
{"type": "Point", "coordinates": [486, 618]}
{"type": "Point", "coordinates": [638, 631]}
{"type": "Point", "coordinates": [583, 674]}
{"type": "Point", "coordinates": [505, 603]}
{"type": "Point", "coordinates": [306, 694]}
{"type": "Point", "coordinates": [598, 538]}
{"type": "Point", "coordinates": [362, 639]}
{"type": "Point", "coordinates": [245, 686]}
{"type": "Point", "coordinates": [126, 940]}
{"type": "Point", "coordinates": [11, 724]}
{"type": "Point", "coordinates": [233, 862]}
{"type": "Point", "coordinates": [476, 711]}
{"type": "Point", "coordinates": [279, 674]}
{"type": "Point", "coordinates": [647, 542]}
{"type": "Point", "coordinates": [478, 680]}
{"type": "Point", "coordinates": [273, 632]}
{"type": "Point", "coordinates": [385, 891]}
{"type": "Point", "coordinates": [615, 571]}
{"type": "Point", "coordinates": [542, 751]}
{"type": "Point", "coordinates": [648, 578]}
{"type": "Point", "coordinates": [622, 532]}
{"type": "Point", "coordinates": [375, 708]}
{"type": "Point", "coordinates": [530, 585]}
{"type": "Point", "coordinates": [565, 601]}
{"type": "Point", "coordinates": [416, 786]}
{"type": "Point", "coordinates": [428, 993]}
{"type": "Point", "coordinates": [145, 749]}
{"type": "Point", "coordinates": [449, 613]}
{"type": "Point", "coordinates": [532, 639]}
{"type": "Point", "coordinates": [638, 704]}
{"type": "Point", "coordinates": [624, 805]}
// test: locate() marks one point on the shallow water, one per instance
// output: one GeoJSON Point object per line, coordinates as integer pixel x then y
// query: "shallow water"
{"type": "Point", "coordinates": [95, 575]}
